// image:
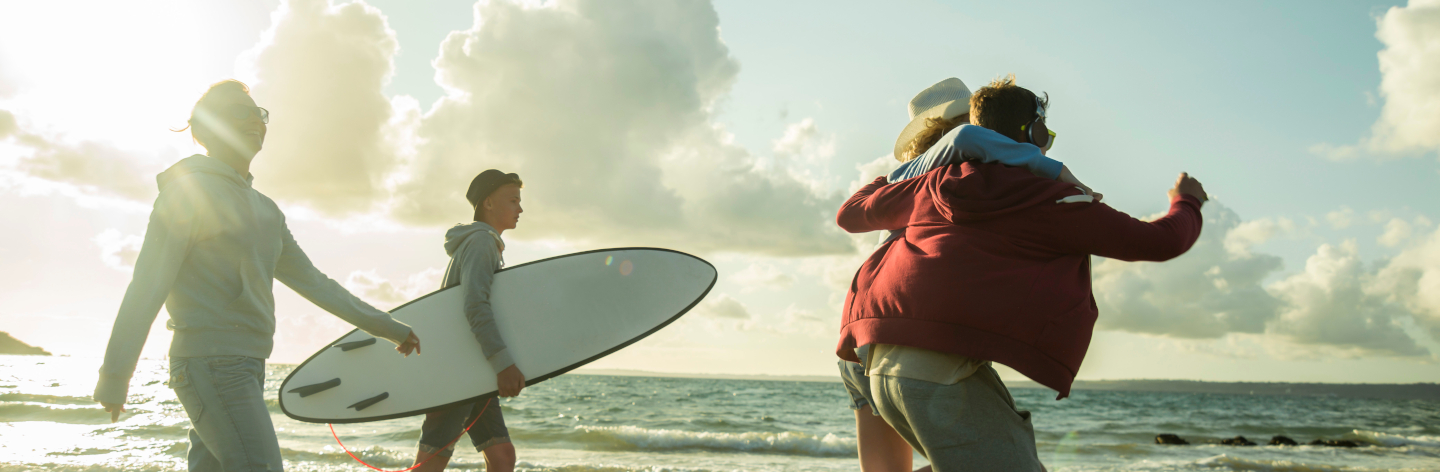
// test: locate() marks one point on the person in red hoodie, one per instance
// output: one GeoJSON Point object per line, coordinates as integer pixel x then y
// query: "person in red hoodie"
{"type": "Point", "coordinates": [993, 266]}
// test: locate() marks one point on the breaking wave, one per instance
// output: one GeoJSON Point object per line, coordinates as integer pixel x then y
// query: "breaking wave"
{"type": "Point", "coordinates": [753, 442]}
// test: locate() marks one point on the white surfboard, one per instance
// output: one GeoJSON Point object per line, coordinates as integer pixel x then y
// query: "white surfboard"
{"type": "Point", "coordinates": [555, 315]}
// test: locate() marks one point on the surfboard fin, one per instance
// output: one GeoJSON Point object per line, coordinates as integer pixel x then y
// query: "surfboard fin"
{"type": "Point", "coordinates": [355, 344]}
{"type": "Point", "coordinates": [363, 404]}
{"type": "Point", "coordinates": [309, 390]}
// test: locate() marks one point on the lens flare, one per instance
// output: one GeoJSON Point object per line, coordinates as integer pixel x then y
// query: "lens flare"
{"type": "Point", "coordinates": [626, 267]}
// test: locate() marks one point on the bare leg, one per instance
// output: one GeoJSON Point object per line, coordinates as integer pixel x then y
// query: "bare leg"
{"type": "Point", "coordinates": [500, 458]}
{"type": "Point", "coordinates": [436, 464]}
{"type": "Point", "coordinates": [881, 448]}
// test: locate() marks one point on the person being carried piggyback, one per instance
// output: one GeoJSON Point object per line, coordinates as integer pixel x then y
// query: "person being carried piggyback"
{"type": "Point", "coordinates": [992, 265]}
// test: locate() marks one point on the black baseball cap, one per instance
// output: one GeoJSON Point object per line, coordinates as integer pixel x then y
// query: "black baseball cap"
{"type": "Point", "coordinates": [486, 183]}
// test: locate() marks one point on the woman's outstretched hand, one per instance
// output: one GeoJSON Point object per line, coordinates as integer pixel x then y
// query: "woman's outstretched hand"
{"type": "Point", "coordinates": [115, 410]}
{"type": "Point", "coordinates": [412, 343]}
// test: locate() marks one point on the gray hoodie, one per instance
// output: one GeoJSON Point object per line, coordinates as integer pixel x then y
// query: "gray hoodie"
{"type": "Point", "coordinates": [212, 250]}
{"type": "Point", "coordinates": [474, 250]}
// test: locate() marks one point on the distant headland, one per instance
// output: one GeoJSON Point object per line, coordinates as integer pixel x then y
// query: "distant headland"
{"type": "Point", "coordinates": [10, 345]}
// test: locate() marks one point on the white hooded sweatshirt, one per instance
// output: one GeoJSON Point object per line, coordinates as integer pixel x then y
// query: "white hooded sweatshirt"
{"type": "Point", "coordinates": [212, 250]}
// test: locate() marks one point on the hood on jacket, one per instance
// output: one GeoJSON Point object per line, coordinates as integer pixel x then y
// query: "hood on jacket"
{"type": "Point", "coordinates": [201, 163]}
{"type": "Point", "coordinates": [457, 235]}
{"type": "Point", "coordinates": [975, 192]}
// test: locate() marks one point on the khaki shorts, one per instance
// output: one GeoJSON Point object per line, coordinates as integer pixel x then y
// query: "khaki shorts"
{"type": "Point", "coordinates": [969, 426]}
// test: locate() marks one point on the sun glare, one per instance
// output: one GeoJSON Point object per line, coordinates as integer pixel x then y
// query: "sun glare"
{"type": "Point", "coordinates": [118, 72]}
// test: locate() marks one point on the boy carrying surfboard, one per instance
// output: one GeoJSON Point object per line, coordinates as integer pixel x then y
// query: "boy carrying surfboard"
{"type": "Point", "coordinates": [475, 255]}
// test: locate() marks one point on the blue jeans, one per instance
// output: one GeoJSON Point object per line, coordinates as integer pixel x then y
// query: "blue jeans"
{"type": "Point", "coordinates": [857, 384]}
{"type": "Point", "coordinates": [230, 428]}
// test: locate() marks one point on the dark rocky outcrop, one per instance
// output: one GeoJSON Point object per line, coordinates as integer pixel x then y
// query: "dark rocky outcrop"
{"type": "Point", "coordinates": [10, 345]}
{"type": "Point", "coordinates": [1282, 441]}
{"type": "Point", "coordinates": [1334, 443]}
{"type": "Point", "coordinates": [1170, 439]}
{"type": "Point", "coordinates": [1237, 441]}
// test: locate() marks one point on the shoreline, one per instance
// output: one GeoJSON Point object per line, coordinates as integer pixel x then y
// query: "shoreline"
{"type": "Point", "coordinates": [1415, 391]}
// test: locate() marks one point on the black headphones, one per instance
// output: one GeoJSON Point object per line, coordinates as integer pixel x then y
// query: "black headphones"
{"type": "Point", "coordinates": [1036, 132]}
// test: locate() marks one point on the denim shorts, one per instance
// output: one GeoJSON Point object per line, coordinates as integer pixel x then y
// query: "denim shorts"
{"type": "Point", "coordinates": [857, 384]}
{"type": "Point", "coordinates": [441, 429]}
{"type": "Point", "coordinates": [973, 424]}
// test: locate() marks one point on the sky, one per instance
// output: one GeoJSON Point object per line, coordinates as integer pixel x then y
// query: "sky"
{"type": "Point", "coordinates": [733, 130]}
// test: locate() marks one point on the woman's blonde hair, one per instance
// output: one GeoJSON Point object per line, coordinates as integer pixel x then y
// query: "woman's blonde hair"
{"type": "Point", "coordinates": [196, 123]}
{"type": "Point", "coordinates": [935, 128]}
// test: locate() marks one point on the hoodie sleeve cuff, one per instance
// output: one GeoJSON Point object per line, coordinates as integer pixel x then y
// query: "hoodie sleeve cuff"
{"type": "Point", "coordinates": [388, 328]}
{"type": "Point", "coordinates": [1185, 197]}
{"type": "Point", "coordinates": [112, 389]}
{"type": "Point", "coordinates": [501, 360]}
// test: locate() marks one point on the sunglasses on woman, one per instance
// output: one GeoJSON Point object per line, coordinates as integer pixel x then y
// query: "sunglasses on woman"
{"type": "Point", "coordinates": [240, 112]}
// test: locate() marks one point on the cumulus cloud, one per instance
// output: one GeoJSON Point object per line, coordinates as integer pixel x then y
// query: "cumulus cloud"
{"type": "Point", "coordinates": [1409, 120]}
{"type": "Point", "coordinates": [384, 293]}
{"type": "Point", "coordinates": [804, 141]}
{"type": "Point", "coordinates": [1334, 302]}
{"type": "Point", "coordinates": [1342, 218]}
{"type": "Point", "coordinates": [723, 306]}
{"type": "Point", "coordinates": [1412, 279]}
{"type": "Point", "coordinates": [758, 276]}
{"type": "Point", "coordinates": [320, 69]}
{"type": "Point", "coordinates": [1410, 78]}
{"type": "Point", "coordinates": [1337, 306]}
{"type": "Point", "coordinates": [95, 168]}
{"type": "Point", "coordinates": [1213, 289]}
{"type": "Point", "coordinates": [118, 250]}
{"type": "Point", "coordinates": [606, 109]}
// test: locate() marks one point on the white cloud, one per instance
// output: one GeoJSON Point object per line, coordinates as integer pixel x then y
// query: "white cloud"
{"type": "Point", "coordinates": [1412, 279]}
{"type": "Point", "coordinates": [320, 69]}
{"type": "Point", "coordinates": [1334, 303]}
{"type": "Point", "coordinates": [118, 250]}
{"type": "Point", "coordinates": [94, 168]}
{"type": "Point", "coordinates": [383, 293]}
{"type": "Point", "coordinates": [1396, 232]}
{"type": "Point", "coordinates": [1410, 79]}
{"type": "Point", "coordinates": [723, 306]}
{"type": "Point", "coordinates": [1212, 290]}
{"type": "Point", "coordinates": [1409, 120]}
{"type": "Point", "coordinates": [1334, 152]}
{"type": "Point", "coordinates": [1243, 236]}
{"type": "Point", "coordinates": [804, 141]}
{"type": "Point", "coordinates": [1342, 218]}
{"type": "Point", "coordinates": [606, 110]}
{"type": "Point", "coordinates": [760, 276]}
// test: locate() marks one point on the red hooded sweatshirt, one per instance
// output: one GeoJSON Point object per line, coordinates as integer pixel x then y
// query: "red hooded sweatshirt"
{"type": "Point", "coordinates": [994, 265]}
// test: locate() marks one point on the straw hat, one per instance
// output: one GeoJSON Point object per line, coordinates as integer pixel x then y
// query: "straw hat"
{"type": "Point", "coordinates": [946, 99]}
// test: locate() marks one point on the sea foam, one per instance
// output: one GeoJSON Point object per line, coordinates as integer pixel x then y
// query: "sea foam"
{"type": "Point", "coordinates": [774, 443]}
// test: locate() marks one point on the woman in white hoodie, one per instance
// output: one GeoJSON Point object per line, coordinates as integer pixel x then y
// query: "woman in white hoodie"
{"type": "Point", "coordinates": [212, 251]}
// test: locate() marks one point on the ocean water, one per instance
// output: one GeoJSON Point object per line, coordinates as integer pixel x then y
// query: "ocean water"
{"type": "Point", "coordinates": [587, 423]}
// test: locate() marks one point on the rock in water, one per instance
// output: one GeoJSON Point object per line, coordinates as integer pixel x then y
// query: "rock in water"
{"type": "Point", "coordinates": [10, 345]}
{"type": "Point", "coordinates": [1170, 439]}
{"type": "Point", "coordinates": [1237, 441]}
{"type": "Point", "coordinates": [1282, 441]}
{"type": "Point", "coordinates": [1334, 443]}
